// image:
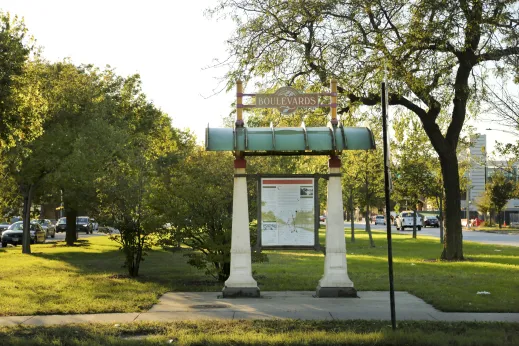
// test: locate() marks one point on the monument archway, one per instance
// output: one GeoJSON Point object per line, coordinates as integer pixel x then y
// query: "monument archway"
{"type": "Point", "coordinates": [330, 141]}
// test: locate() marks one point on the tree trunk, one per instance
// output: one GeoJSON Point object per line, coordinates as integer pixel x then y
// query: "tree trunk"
{"type": "Point", "coordinates": [453, 246]}
{"type": "Point", "coordinates": [134, 261]}
{"type": "Point", "coordinates": [26, 217]}
{"type": "Point", "coordinates": [71, 232]}
{"type": "Point", "coordinates": [442, 241]}
{"type": "Point", "coordinates": [414, 224]}
{"type": "Point", "coordinates": [226, 272]}
{"type": "Point", "coordinates": [368, 227]}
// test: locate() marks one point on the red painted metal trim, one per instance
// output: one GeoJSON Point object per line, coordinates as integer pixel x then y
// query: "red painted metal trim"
{"type": "Point", "coordinates": [288, 182]}
{"type": "Point", "coordinates": [334, 162]}
{"type": "Point", "coordinates": [240, 163]}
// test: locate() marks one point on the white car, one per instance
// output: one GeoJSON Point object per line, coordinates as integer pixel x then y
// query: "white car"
{"type": "Point", "coordinates": [380, 220]}
{"type": "Point", "coordinates": [405, 220]}
{"type": "Point", "coordinates": [95, 225]}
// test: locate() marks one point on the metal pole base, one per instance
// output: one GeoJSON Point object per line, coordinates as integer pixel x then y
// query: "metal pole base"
{"type": "Point", "coordinates": [336, 292]}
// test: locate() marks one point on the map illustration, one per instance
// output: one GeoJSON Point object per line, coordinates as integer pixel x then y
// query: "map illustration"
{"type": "Point", "coordinates": [287, 212]}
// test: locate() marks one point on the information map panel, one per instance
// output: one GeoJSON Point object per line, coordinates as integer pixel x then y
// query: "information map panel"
{"type": "Point", "coordinates": [287, 212]}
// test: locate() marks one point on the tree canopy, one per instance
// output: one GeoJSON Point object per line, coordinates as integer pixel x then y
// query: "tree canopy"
{"type": "Point", "coordinates": [427, 50]}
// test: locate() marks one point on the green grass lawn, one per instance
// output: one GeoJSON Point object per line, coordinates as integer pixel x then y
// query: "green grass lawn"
{"type": "Point", "coordinates": [277, 332]}
{"type": "Point", "coordinates": [89, 278]}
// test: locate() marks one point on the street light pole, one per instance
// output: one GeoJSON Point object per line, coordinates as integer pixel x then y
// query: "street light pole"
{"type": "Point", "coordinates": [510, 132]}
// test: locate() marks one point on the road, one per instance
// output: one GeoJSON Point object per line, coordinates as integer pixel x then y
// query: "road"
{"type": "Point", "coordinates": [81, 235]}
{"type": "Point", "coordinates": [480, 237]}
{"type": "Point", "coordinates": [61, 237]}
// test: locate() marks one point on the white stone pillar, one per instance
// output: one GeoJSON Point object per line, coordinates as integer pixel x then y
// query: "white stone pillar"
{"type": "Point", "coordinates": [335, 281]}
{"type": "Point", "coordinates": [240, 282]}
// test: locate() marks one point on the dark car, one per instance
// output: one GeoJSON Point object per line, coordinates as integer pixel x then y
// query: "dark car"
{"type": "Point", "coordinates": [3, 226]}
{"type": "Point", "coordinates": [13, 235]}
{"type": "Point", "coordinates": [61, 225]}
{"type": "Point", "coordinates": [431, 221]}
{"type": "Point", "coordinates": [48, 227]}
{"type": "Point", "coordinates": [83, 224]}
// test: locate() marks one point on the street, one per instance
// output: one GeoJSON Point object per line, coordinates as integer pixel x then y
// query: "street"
{"type": "Point", "coordinates": [480, 237]}
{"type": "Point", "coordinates": [81, 235]}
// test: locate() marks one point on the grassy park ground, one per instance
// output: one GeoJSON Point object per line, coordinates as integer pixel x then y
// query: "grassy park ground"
{"type": "Point", "coordinates": [278, 332]}
{"type": "Point", "coordinates": [89, 278]}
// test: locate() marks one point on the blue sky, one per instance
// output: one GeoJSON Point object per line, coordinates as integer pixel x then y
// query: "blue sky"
{"type": "Point", "coordinates": [169, 43]}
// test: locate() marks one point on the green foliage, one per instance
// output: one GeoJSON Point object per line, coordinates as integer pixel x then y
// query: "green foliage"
{"type": "Point", "coordinates": [417, 172]}
{"type": "Point", "coordinates": [17, 121]}
{"type": "Point", "coordinates": [197, 202]}
{"type": "Point", "coordinates": [485, 205]}
{"type": "Point", "coordinates": [140, 138]}
{"type": "Point", "coordinates": [428, 63]}
{"type": "Point", "coordinates": [257, 256]}
{"type": "Point", "coordinates": [499, 190]}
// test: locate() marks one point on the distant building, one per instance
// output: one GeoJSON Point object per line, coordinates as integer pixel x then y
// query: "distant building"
{"type": "Point", "coordinates": [481, 169]}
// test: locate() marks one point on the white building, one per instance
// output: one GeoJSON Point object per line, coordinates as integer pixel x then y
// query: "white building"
{"type": "Point", "coordinates": [480, 170]}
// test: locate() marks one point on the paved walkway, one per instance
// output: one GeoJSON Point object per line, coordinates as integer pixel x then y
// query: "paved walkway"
{"type": "Point", "coordinates": [295, 305]}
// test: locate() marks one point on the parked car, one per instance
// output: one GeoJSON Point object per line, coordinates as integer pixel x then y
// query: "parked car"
{"type": "Point", "coordinates": [48, 227]}
{"type": "Point", "coordinates": [380, 220]}
{"type": "Point", "coordinates": [83, 224]}
{"type": "Point", "coordinates": [431, 221]}
{"type": "Point", "coordinates": [13, 235]}
{"type": "Point", "coordinates": [95, 225]}
{"type": "Point", "coordinates": [322, 218]}
{"type": "Point", "coordinates": [3, 226]}
{"type": "Point", "coordinates": [61, 225]}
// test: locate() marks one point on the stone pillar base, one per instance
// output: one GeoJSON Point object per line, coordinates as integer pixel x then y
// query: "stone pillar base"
{"type": "Point", "coordinates": [336, 292]}
{"type": "Point", "coordinates": [241, 292]}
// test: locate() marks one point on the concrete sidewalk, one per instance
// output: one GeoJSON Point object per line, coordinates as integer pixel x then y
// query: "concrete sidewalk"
{"type": "Point", "coordinates": [294, 305]}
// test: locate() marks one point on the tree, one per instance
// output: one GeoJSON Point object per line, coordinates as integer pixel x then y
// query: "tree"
{"type": "Point", "coordinates": [140, 137]}
{"type": "Point", "coordinates": [127, 187]}
{"type": "Point", "coordinates": [22, 159]}
{"type": "Point", "coordinates": [428, 50]}
{"type": "Point", "coordinates": [484, 204]}
{"type": "Point", "coordinates": [198, 201]}
{"type": "Point", "coordinates": [416, 164]}
{"type": "Point", "coordinates": [63, 96]}
{"type": "Point", "coordinates": [16, 124]}
{"type": "Point", "coordinates": [372, 187]}
{"type": "Point", "coordinates": [504, 108]}
{"type": "Point", "coordinates": [351, 184]}
{"type": "Point", "coordinates": [500, 190]}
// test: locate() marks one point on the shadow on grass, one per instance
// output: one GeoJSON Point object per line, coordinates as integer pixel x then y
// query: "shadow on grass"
{"type": "Point", "coordinates": [166, 268]}
{"type": "Point", "coordinates": [78, 243]}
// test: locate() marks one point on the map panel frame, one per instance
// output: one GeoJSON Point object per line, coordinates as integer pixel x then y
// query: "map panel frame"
{"type": "Point", "coordinates": [288, 212]}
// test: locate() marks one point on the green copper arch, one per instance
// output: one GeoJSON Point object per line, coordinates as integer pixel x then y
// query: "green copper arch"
{"type": "Point", "coordinates": [289, 140]}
